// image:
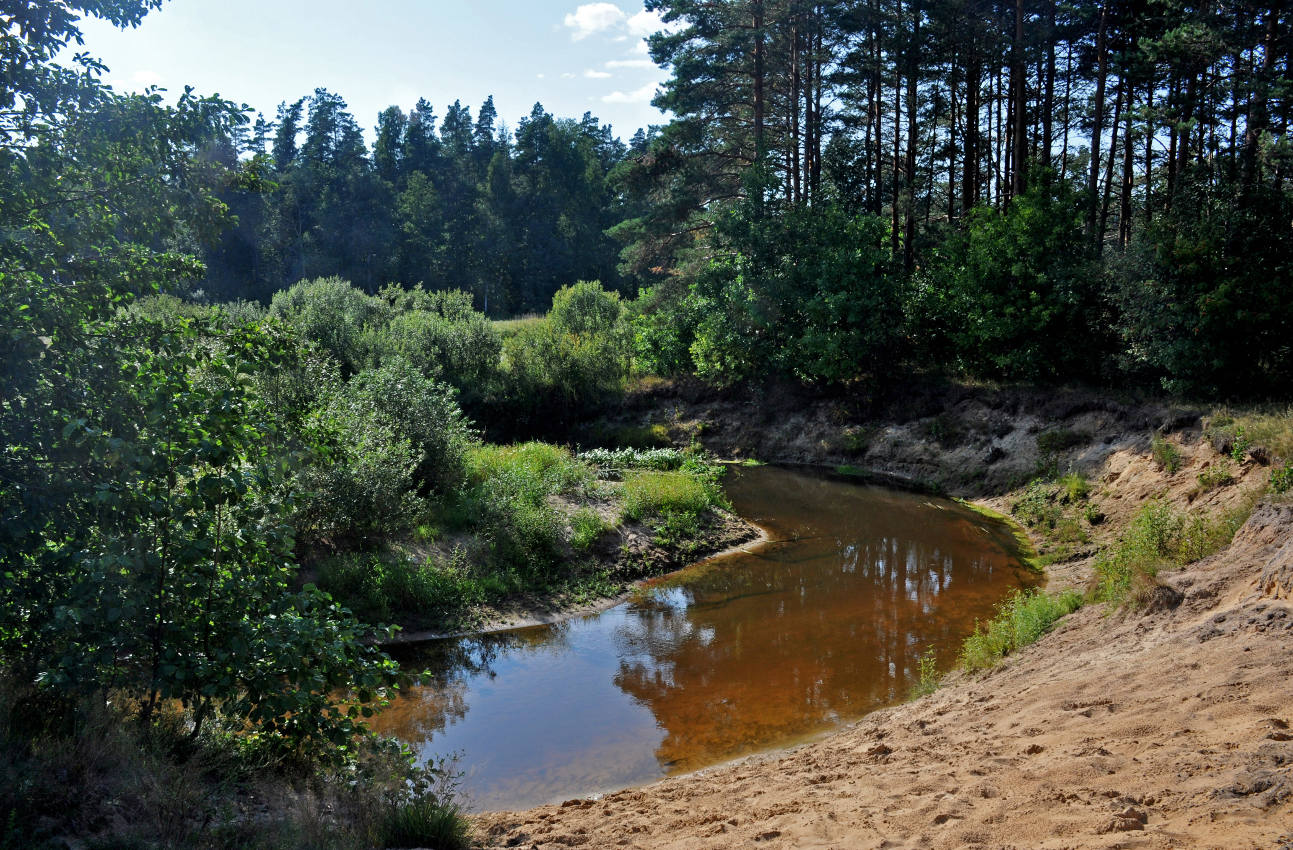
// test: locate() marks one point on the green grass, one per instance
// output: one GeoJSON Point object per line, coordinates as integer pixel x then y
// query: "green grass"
{"type": "Point", "coordinates": [1158, 538]}
{"type": "Point", "coordinates": [1024, 547]}
{"type": "Point", "coordinates": [649, 493]}
{"type": "Point", "coordinates": [1073, 488]}
{"type": "Point", "coordinates": [1217, 475]}
{"type": "Point", "coordinates": [425, 822]}
{"type": "Point", "coordinates": [586, 525]}
{"type": "Point", "coordinates": [390, 588]}
{"type": "Point", "coordinates": [535, 470]}
{"type": "Point", "coordinates": [1020, 620]}
{"type": "Point", "coordinates": [511, 327]}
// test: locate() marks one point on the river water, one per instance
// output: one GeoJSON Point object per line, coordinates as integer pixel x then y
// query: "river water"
{"type": "Point", "coordinates": [753, 650]}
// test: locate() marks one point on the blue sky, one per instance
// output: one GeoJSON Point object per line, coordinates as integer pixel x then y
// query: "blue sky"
{"type": "Point", "coordinates": [572, 57]}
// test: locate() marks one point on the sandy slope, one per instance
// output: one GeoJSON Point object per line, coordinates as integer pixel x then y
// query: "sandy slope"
{"type": "Point", "coordinates": [1158, 730]}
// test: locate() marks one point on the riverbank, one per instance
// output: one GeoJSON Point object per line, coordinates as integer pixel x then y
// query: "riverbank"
{"type": "Point", "coordinates": [1165, 726]}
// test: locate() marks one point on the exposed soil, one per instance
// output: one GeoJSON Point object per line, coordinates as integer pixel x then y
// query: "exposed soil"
{"type": "Point", "coordinates": [1164, 728]}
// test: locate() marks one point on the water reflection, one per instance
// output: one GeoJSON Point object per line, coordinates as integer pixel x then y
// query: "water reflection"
{"type": "Point", "coordinates": [749, 651]}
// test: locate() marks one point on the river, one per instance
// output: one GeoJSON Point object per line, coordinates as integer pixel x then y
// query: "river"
{"type": "Point", "coordinates": [752, 650]}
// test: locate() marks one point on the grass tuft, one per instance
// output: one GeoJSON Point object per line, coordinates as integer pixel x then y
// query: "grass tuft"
{"type": "Point", "coordinates": [1020, 621]}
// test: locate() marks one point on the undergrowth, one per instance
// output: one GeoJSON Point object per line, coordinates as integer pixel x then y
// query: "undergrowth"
{"type": "Point", "coordinates": [1159, 537]}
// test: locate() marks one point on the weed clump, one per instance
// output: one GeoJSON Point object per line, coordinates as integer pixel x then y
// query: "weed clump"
{"type": "Point", "coordinates": [1020, 620]}
{"type": "Point", "coordinates": [1166, 455]}
{"type": "Point", "coordinates": [927, 675]}
{"type": "Point", "coordinates": [1158, 538]}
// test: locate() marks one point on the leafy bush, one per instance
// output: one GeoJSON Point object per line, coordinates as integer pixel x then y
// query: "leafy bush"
{"type": "Point", "coordinates": [1020, 620]}
{"type": "Point", "coordinates": [1073, 488]}
{"type": "Point", "coordinates": [927, 675]}
{"type": "Point", "coordinates": [1036, 507]}
{"type": "Point", "coordinates": [361, 484]}
{"type": "Point", "coordinates": [585, 309]}
{"type": "Point", "coordinates": [1017, 290]}
{"type": "Point", "coordinates": [1282, 479]}
{"type": "Point", "coordinates": [1158, 537]}
{"type": "Point", "coordinates": [551, 377]}
{"type": "Point", "coordinates": [1203, 296]}
{"type": "Point", "coordinates": [809, 293]}
{"type": "Point", "coordinates": [463, 352]}
{"type": "Point", "coordinates": [333, 314]}
{"type": "Point", "coordinates": [585, 527]}
{"type": "Point", "coordinates": [417, 409]}
{"type": "Point", "coordinates": [1215, 476]}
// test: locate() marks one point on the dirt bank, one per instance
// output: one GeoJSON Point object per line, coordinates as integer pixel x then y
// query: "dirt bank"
{"type": "Point", "coordinates": [1168, 729]}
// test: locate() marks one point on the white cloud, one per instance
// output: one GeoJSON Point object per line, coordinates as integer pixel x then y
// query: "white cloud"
{"type": "Point", "coordinates": [641, 47]}
{"type": "Point", "coordinates": [593, 18]}
{"type": "Point", "coordinates": [642, 95]}
{"type": "Point", "coordinates": [630, 63]}
{"type": "Point", "coordinates": [540, 76]}
{"type": "Point", "coordinates": [644, 23]}
{"type": "Point", "coordinates": [567, 76]}
{"type": "Point", "coordinates": [146, 78]}
{"type": "Point", "coordinates": [595, 75]}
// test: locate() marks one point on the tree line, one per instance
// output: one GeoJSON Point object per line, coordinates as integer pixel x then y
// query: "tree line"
{"type": "Point", "coordinates": [1085, 190]}
{"type": "Point", "coordinates": [449, 202]}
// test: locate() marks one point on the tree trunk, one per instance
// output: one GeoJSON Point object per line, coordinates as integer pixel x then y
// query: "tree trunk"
{"type": "Point", "coordinates": [1102, 70]}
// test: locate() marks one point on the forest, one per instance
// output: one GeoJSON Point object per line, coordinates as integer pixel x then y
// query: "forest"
{"type": "Point", "coordinates": [241, 355]}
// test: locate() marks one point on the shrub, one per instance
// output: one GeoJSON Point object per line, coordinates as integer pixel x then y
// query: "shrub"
{"type": "Point", "coordinates": [585, 527]}
{"type": "Point", "coordinates": [1036, 507]}
{"type": "Point", "coordinates": [384, 588]}
{"type": "Point", "coordinates": [463, 352]}
{"type": "Point", "coordinates": [1165, 454]}
{"type": "Point", "coordinates": [1158, 537]}
{"type": "Point", "coordinates": [333, 314]}
{"type": "Point", "coordinates": [585, 309]}
{"type": "Point", "coordinates": [1073, 488]}
{"type": "Point", "coordinates": [1282, 479]}
{"type": "Point", "coordinates": [551, 377]}
{"type": "Point", "coordinates": [1057, 440]}
{"type": "Point", "coordinates": [417, 409]}
{"type": "Point", "coordinates": [362, 483]}
{"type": "Point", "coordinates": [927, 675]}
{"type": "Point", "coordinates": [1215, 476]}
{"type": "Point", "coordinates": [1020, 620]}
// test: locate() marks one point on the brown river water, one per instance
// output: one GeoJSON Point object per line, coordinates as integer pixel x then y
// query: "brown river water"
{"type": "Point", "coordinates": [749, 651]}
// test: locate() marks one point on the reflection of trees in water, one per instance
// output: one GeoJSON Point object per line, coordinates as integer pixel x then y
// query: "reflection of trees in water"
{"type": "Point", "coordinates": [797, 636]}
{"type": "Point", "coordinates": [442, 673]}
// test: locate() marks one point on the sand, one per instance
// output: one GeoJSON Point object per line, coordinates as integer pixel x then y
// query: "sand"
{"type": "Point", "coordinates": [1162, 729]}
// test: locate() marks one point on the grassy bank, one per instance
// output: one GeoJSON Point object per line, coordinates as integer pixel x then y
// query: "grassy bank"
{"type": "Point", "coordinates": [535, 521]}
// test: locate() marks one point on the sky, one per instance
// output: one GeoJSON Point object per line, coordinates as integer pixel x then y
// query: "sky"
{"type": "Point", "coordinates": [571, 57]}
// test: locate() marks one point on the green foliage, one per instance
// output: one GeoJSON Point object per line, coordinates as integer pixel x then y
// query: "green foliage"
{"type": "Point", "coordinates": [808, 293]}
{"type": "Point", "coordinates": [334, 315]}
{"type": "Point", "coordinates": [613, 462]}
{"type": "Point", "coordinates": [425, 822]}
{"type": "Point", "coordinates": [652, 493]}
{"type": "Point", "coordinates": [1073, 488]}
{"type": "Point", "coordinates": [382, 589]}
{"type": "Point", "coordinates": [460, 348]}
{"type": "Point", "coordinates": [1203, 297]}
{"type": "Point", "coordinates": [585, 309]}
{"type": "Point", "coordinates": [1036, 507]}
{"type": "Point", "coordinates": [1020, 620]}
{"type": "Point", "coordinates": [927, 675]}
{"type": "Point", "coordinates": [1159, 537]}
{"type": "Point", "coordinates": [1056, 440]}
{"type": "Point", "coordinates": [1165, 454]}
{"type": "Point", "coordinates": [1016, 292]}
{"type": "Point", "coordinates": [552, 377]}
{"type": "Point", "coordinates": [586, 525]}
{"type": "Point", "coordinates": [417, 409]}
{"type": "Point", "coordinates": [1282, 478]}
{"type": "Point", "coordinates": [1218, 475]}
